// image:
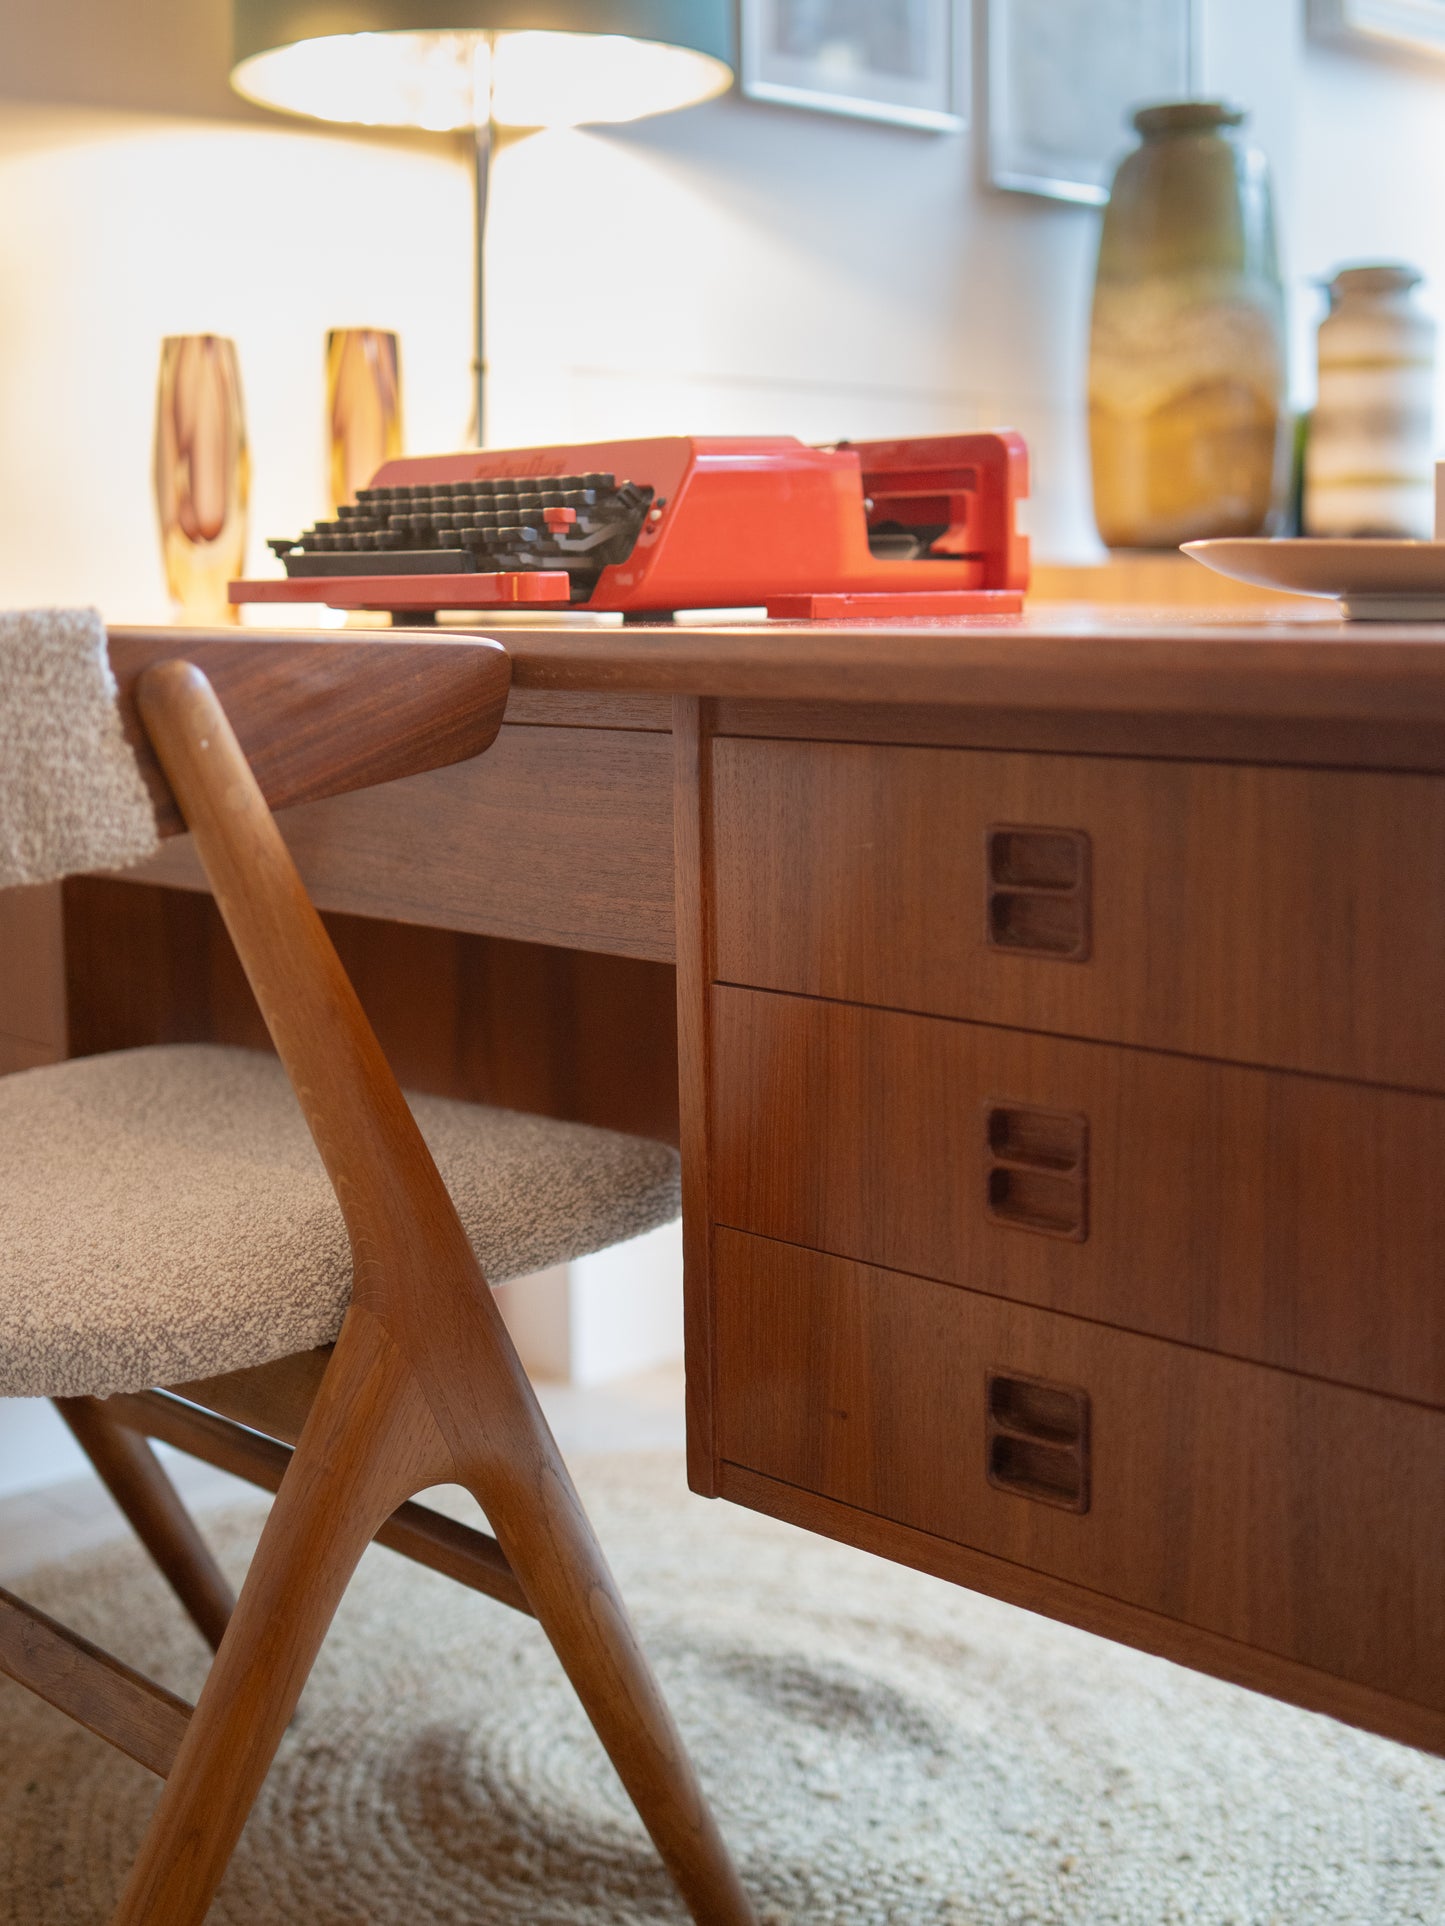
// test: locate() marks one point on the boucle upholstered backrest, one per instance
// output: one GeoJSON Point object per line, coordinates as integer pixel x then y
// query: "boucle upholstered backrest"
{"type": "Point", "coordinates": [71, 794]}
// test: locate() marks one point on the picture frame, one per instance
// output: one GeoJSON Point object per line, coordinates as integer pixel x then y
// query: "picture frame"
{"type": "Point", "coordinates": [1062, 79]}
{"type": "Point", "coordinates": [1411, 25]}
{"type": "Point", "coordinates": [906, 62]}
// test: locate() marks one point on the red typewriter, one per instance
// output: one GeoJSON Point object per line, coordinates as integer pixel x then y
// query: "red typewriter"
{"type": "Point", "coordinates": [872, 528]}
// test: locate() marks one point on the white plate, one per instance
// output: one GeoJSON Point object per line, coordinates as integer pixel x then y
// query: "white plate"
{"type": "Point", "coordinates": [1377, 580]}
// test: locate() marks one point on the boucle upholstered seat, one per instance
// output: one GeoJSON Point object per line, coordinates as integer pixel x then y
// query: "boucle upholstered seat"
{"type": "Point", "coordinates": [165, 1214]}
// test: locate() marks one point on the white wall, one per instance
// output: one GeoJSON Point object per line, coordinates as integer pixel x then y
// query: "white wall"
{"type": "Point", "coordinates": [1370, 180]}
{"type": "Point", "coordinates": [606, 1316]}
{"type": "Point", "coordinates": [116, 229]}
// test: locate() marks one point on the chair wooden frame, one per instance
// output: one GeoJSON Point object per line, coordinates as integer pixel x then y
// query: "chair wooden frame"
{"type": "Point", "coordinates": [422, 1387]}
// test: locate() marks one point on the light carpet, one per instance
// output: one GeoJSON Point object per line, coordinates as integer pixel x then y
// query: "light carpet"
{"type": "Point", "coordinates": [880, 1748]}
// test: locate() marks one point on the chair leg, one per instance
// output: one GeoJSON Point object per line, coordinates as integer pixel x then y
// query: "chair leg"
{"type": "Point", "coordinates": [520, 1481]}
{"type": "Point", "coordinates": [369, 1443]}
{"type": "Point", "coordinates": [132, 1474]}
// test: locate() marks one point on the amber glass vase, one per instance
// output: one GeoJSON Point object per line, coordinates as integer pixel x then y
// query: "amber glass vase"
{"type": "Point", "coordinates": [363, 408]}
{"type": "Point", "coordinates": [202, 473]}
{"type": "Point", "coordinates": [1186, 353]}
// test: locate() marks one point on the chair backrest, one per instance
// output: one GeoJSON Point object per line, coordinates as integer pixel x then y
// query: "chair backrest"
{"type": "Point", "coordinates": [401, 1222]}
{"type": "Point", "coordinates": [80, 786]}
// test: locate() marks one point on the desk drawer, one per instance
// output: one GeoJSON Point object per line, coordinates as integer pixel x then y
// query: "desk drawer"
{"type": "Point", "coordinates": [1289, 1220]}
{"type": "Point", "coordinates": [1293, 917]}
{"type": "Point", "coordinates": [1298, 1517]}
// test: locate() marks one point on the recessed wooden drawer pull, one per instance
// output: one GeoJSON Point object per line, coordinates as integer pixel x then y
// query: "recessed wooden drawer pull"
{"type": "Point", "coordinates": [1036, 1170]}
{"type": "Point", "coordinates": [1038, 891]}
{"type": "Point", "coordinates": [1038, 1440]}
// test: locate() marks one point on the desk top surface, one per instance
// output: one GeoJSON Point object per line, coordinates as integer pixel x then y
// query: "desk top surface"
{"type": "Point", "coordinates": [1057, 657]}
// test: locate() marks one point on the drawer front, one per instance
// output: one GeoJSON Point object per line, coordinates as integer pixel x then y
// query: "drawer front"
{"type": "Point", "coordinates": [1300, 1518]}
{"type": "Point", "coordinates": [1288, 1220]}
{"type": "Point", "coordinates": [1292, 917]}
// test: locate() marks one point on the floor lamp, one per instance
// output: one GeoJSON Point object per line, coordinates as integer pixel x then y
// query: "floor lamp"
{"type": "Point", "coordinates": [448, 65]}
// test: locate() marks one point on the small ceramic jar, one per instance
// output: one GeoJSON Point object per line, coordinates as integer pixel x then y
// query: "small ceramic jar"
{"type": "Point", "coordinates": [1369, 461]}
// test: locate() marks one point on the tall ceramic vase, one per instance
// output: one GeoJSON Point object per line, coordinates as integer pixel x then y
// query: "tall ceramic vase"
{"type": "Point", "coordinates": [202, 473]}
{"type": "Point", "coordinates": [1187, 355]}
{"type": "Point", "coordinates": [363, 408]}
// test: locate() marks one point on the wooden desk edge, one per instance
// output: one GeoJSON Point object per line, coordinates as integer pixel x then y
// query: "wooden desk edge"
{"type": "Point", "coordinates": [1146, 1631]}
{"type": "Point", "coordinates": [1087, 662]}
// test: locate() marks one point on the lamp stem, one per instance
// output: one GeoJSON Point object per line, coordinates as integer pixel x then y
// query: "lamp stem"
{"type": "Point", "coordinates": [483, 179]}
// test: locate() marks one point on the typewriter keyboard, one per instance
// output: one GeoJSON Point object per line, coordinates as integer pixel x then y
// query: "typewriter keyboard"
{"type": "Point", "coordinates": [580, 523]}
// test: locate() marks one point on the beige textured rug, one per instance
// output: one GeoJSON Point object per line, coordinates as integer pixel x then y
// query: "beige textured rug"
{"type": "Point", "coordinates": [880, 1747]}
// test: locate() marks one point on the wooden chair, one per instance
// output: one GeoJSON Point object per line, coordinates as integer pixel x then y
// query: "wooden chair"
{"type": "Point", "coordinates": [422, 1385]}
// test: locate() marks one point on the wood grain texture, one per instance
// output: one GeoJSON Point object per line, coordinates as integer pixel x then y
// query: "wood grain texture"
{"type": "Point", "coordinates": [1091, 1611]}
{"type": "Point", "coordinates": [573, 1034]}
{"type": "Point", "coordinates": [132, 1474]}
{"type": "Point", "coordinates": [32, 970]}
{"type": "Point", "coordinates": [558, 836]}
{"type": "Point", "coordinates": [564, 709]}
{"type": "Point", "coordinates": [1168, 584]}
{"type": "Point", "coordinates": [1337, 741]}
{"type": "Point", "coordinates": [1061, 660]}
{"type": "Point", "coordinates": [17, 1054]}
{"type": "Point", "coordinates": [1294, 1516]}
{"type": "Point", "coordinates": [1289, 1220]}
{"type": "Point", "coordinates": [232, 1443]}
{"type": "Point", "coordinates": [423, 1387]}
{"type": "Point", "coordinates": [1270, 916]}
{"type": "Point", "coordinates": [693, 747]}
{"type": "Point", "coordinates": [319, 715]}
{"type": "Point", "coordinates": [132, 1712]}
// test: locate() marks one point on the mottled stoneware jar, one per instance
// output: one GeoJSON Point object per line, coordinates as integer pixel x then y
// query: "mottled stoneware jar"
{"type": "Point", "coordinates": [1186, 355]}
{"type": "Point", "coordinates": [1369, 461]}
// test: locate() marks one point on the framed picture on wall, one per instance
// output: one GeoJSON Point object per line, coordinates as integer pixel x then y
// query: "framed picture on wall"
{"type": "Point", "coordinates": [904, 61]}
{"type": "Point", "coordinates": [1414, 25]}
{"type": "Point", "coordinates": [1064, 77]}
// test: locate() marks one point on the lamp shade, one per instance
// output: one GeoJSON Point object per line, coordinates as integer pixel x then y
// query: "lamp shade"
{"type": "Point", "coordinates": [443, 64]}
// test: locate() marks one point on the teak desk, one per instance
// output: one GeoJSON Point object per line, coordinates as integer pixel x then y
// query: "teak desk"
{"type": "Point", "coordinates": [1059, 1073]}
